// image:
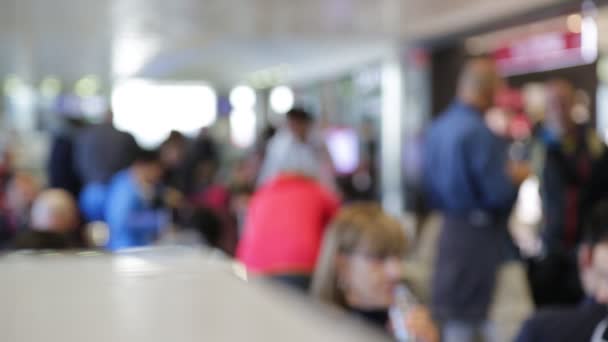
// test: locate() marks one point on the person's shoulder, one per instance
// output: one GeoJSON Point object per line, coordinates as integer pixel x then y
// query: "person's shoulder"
{"type": "Point", "coordinates": [553, 324]}
{"type": "Point", "coordinates": [456, 118]}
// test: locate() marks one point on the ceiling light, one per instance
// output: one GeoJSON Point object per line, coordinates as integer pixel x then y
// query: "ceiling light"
{"type": "Point", "coordinates": [281, 99]}
{"type": "Point", "coordinates": [242, 97]}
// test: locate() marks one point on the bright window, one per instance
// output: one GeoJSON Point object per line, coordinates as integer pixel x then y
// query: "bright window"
{"type": "Point", "coordinates": [150, 111]}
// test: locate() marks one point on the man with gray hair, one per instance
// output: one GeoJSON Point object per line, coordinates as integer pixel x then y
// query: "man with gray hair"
{"type": "Point", "coordinates": [471, 181]}
{"type": "Point", "coordinates": [54, 220]}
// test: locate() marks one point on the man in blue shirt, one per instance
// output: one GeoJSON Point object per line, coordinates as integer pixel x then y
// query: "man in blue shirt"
{"type": "Point", "coordinates": [579, 323]}
{"type": "Point", "coordinates": [469, 179]}
{"type": "Point", "coordinates": [130, 211]}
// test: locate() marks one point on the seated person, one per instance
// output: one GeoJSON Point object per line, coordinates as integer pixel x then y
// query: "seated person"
{"type": "Point", "coordinates": [285, 223]}
{"type": "Point", "coordinates": [579, 323]}
{"type": "Point", "coordinates": [131, 212]}
{"type": "Point", "coordinates": [360, 267]}
{"type": "Point", "coordinates": [211, 198]}
{"type": "Point", "coordinates": [53, 223]}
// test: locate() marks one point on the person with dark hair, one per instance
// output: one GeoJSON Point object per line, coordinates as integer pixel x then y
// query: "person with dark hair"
{"type": "Point", "coordinates": [131, 212]}
{"type": "Point", "coordinates": [579, 323]}
{"type": "Point", "coordinates": [296, 141]}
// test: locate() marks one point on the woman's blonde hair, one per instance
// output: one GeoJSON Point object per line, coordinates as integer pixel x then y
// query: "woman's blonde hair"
{"type": "Point", "coordinates": [362, 227]}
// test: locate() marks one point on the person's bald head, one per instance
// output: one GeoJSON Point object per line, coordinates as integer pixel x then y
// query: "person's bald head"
{"type": "Point", "coordinates": [479, 82]}
{"type": "Point", "coordinates": [55, 211]}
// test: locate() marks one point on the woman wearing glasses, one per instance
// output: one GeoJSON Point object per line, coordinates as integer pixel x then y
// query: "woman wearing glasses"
{"type": "Point", "coordinates": [360, 270]}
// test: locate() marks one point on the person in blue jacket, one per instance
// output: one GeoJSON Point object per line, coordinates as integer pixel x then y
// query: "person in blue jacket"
{"type": "Point", "coordinates": [132, 216]}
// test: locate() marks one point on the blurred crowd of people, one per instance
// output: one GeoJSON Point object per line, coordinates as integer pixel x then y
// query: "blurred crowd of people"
{"type": "Point", "coordinates": [98, 174]}
{"type": "Point", "coordinates": [180, 192]}
{"type": "Point", "coordinates": [280, 212]}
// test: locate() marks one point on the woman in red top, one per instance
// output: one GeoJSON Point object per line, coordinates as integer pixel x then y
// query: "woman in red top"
{"type": "Point", "coordinates": [284, 228]}
{"type": "Point", "coordinates": [287, 217]}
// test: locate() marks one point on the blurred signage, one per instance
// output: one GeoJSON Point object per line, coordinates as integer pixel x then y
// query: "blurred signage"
{"type": "Point", "coordinates": [547, 51]}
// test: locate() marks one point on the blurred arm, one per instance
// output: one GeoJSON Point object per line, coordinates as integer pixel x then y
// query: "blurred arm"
{"type": "Point", "coordinates": [490, 176]}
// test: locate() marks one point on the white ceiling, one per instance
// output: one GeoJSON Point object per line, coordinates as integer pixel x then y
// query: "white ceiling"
{"type": "Point", "coordinates": [222, 40]}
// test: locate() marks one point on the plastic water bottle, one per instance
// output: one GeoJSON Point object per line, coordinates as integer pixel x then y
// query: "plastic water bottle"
{"type": "Point", "coordinates": [404, 302]}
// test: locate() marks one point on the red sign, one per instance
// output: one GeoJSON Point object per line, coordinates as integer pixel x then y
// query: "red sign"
{"type": "Point", "coordinates": [548, 51]}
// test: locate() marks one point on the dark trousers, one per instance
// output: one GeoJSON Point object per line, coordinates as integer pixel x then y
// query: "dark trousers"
{"type": "Point", "coordinates": [469, 255]}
